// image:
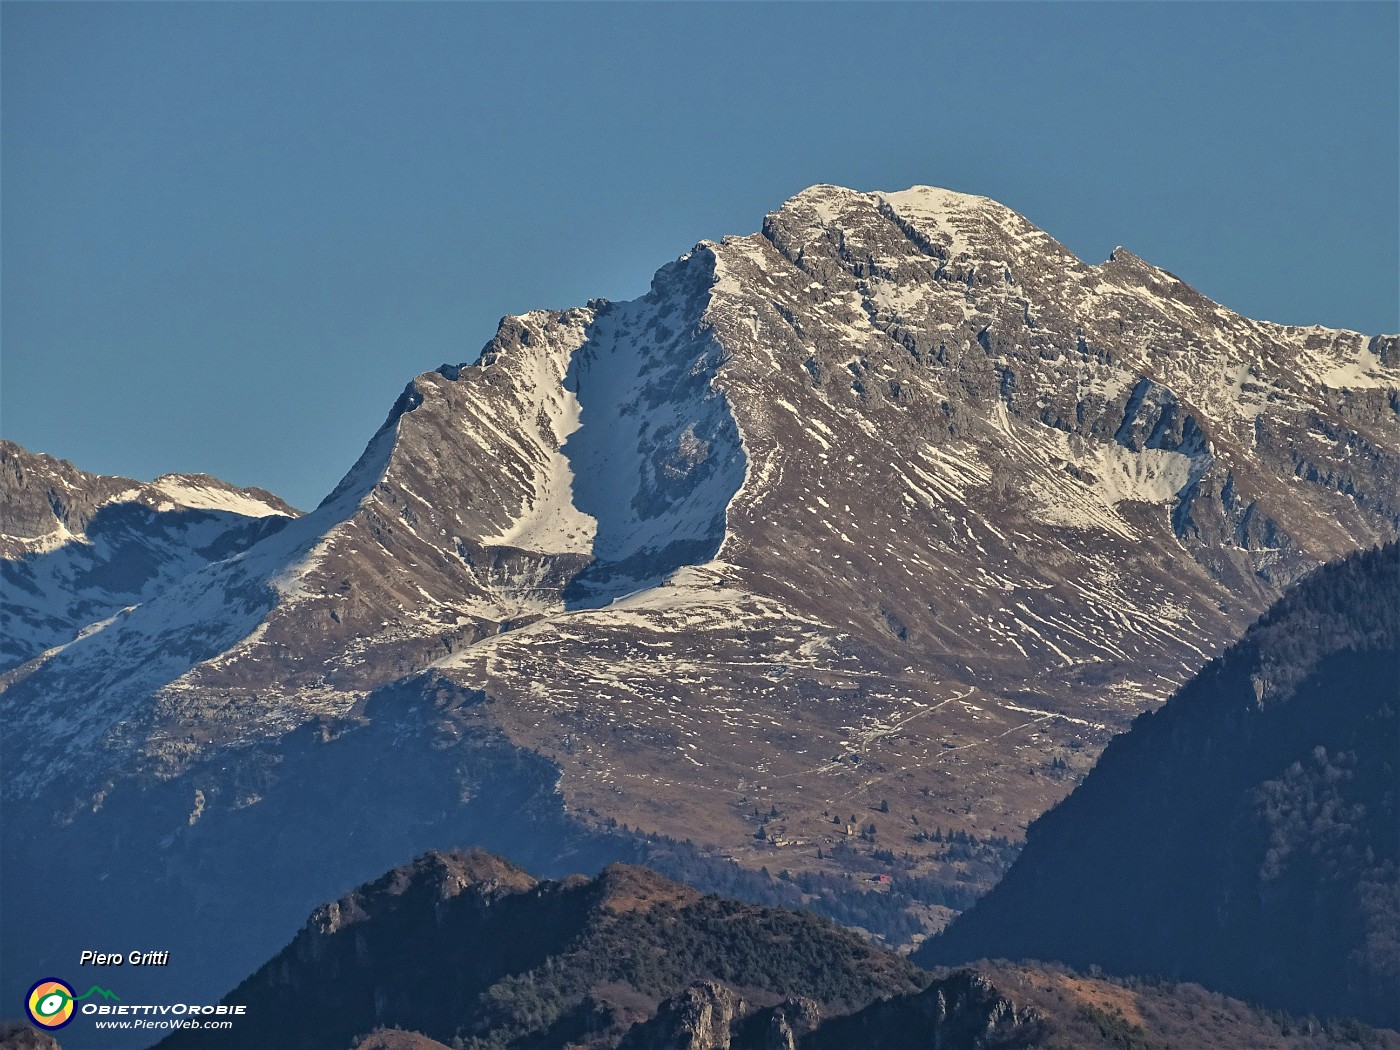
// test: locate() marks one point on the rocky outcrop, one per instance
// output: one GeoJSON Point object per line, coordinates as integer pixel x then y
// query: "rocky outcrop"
{"type": "Point", "coordinates": [962, 1010]}
{"type": "Point", "coordinates": [700, 1018]}
{"type": "Point", "coordinates": [780, 1027]}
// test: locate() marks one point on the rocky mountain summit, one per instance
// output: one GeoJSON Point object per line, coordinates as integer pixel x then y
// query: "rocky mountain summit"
{"type": "Point", "coordinates": [849, 536]}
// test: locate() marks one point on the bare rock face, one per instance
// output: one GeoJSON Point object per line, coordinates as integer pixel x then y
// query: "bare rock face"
{"type": "Point", "coordinates": [698, 1018]}
{"type": "Point", "coordinates": [963, 1009]}
{"type": "Point", "coordinates": [710, 1015]}
{"type": "Point", "coordinates": [888, 515]}
{"type": "Point", "coordinates": [780, 1027]}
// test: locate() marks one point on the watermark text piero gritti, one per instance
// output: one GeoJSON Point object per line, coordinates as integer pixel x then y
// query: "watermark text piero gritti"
{"type": "Point", "coordinates": [132, 958]}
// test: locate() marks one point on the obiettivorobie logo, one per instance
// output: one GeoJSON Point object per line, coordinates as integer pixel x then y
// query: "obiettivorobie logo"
{"type": "Point", "coordinates": [50, 1001]}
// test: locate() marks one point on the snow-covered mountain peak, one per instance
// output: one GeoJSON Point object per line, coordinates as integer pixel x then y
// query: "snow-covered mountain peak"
{"type": "Point", "coordinates": [49, 501]}
{"type": "Point", "coordinates": [825, 201]}
{"type": "Point", "coordinates": [973, 217]}
{"type": "Point", "coordinates": [891, 513]}
{"type": "Point", "coordinates": [895, 454]}
{"type": "Point", "coordinates": [204, 492]}
{"type": "Point", "coordinates": [836, 205]}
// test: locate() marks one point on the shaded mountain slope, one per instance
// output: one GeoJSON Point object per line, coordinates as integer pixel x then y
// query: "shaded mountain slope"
{"type": "Point", "coordinates": [77, 548]}
{"type": "Point", "coordinates": [466, 950]}
{"type": "Point", "coordinates": [1247, 834]}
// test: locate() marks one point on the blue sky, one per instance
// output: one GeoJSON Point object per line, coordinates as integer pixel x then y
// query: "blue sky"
{"type": "Point", "coordinates": [233, 232]}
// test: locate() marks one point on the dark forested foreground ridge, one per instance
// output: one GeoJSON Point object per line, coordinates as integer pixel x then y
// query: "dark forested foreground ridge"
{"type": "Point", "coordinates": [467, 950]}
{"type": "Point", "coordinates": [1246, 835]}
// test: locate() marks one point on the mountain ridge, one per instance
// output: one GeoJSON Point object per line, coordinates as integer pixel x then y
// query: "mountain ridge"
{"type": "Point", "coordinates": [77, 548]}
{"type": "Point", "coordinates": [516, 549]}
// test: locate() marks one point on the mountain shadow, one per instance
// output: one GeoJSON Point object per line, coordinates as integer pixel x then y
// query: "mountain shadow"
{"type": "Point", "coordinates": [656, 457]}
{"type": "Point", "coordinates": [1246, 835]}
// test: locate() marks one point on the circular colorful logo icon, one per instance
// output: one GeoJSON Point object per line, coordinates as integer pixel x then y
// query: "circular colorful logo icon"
{"type": "Point", "coordinates": [50, 1003]}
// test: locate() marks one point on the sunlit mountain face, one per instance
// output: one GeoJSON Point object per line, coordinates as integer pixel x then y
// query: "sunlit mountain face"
{"type": "Point", "coordinates": [838, 556]}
